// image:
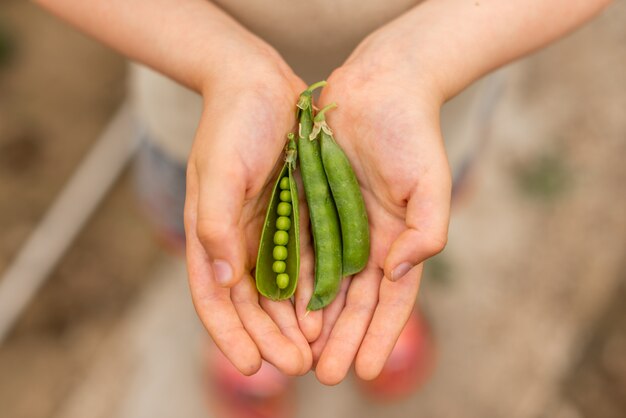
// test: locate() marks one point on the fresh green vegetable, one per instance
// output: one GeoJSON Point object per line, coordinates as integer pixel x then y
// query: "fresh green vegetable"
{"type": "Point", "coordinates": [282, 280]}
{"type": "Point", "coordinates": [284, 209]}
{"type": "Point", "coordinates": [283, 223]}
{"type": "Point", "coordinates": [355, 232]}
{"type": "Point", "coordinates": [280, 253]}
{"type": "Point", "coordinates": [281, 237]}
{"type": "Point", "coordinates": [278, 259]}
{"type": "Point", "coordinates": [279, 267]}
{"type": "Point", "coordinates": [339, 223]}
{"type": "Point", "coordinates": [322, 211]}
{"type": "Point", "coordinates": [285, 196]}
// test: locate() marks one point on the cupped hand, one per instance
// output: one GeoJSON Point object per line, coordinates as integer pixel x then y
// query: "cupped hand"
{"type": "Point", "coordinates": [248, 110]}
{"type": "Point", "coordinates": [387, 123]}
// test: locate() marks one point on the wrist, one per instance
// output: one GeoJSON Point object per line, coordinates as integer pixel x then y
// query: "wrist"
{"type": "Point", "coordinates": [249, 65]}
{"type": "Point", "coordinates": [424, 50]}
{"type": "Point", "coordinates": [384, 58]}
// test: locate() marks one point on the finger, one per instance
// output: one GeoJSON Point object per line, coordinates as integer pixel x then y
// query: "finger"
{"type": "Point", "coordinates": [330, 315]}
{"type": "Point", "coordinates": [396, 302]}
{"type": "Point", "coordinates": [427, 218]}
{"type": "Point", "coordinates": [310, 322]}
{"type": "Point", "coordinates": [284, 315]}
{"type": "Point", "coordinates": [212, 302]}
{"type": "Point", "coordinates": [276, 348]}
{"type": "Point", "coordinates": [350, 328]}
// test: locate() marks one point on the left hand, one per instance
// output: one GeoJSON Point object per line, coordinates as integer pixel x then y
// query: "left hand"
{"type": "Point", "coordinates": [388, 125]}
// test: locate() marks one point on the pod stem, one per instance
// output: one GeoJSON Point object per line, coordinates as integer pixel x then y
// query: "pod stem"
{"type": "Point", "coordinates": [291, 141]}
{"type": "Point", "coordinates": [305, 101]}
{"type": "Point", "coordinates": [291, 150]}
{"type": "Point", "coordinates": [320, 117]}
{"type": "Point", "coordinates": [316, 86]}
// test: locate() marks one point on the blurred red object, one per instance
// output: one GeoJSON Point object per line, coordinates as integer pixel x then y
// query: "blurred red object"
{"type": "Point", "coordinates": [266, 394]}
{"type": "Point", "coordinates": [410, 364]}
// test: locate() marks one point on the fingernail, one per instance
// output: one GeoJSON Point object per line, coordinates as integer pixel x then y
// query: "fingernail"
{"type": "Point", "coordinates": [400, 271]}
{"type": "Point", "coordinates": [223, 272]}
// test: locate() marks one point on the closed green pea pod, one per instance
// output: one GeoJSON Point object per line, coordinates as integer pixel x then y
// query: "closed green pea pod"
{"type": "Point", "coordinates": [322, 211]}
{"type": "Point", "coordinates": [355, 232]}
{"type": "Point", "coordinates": [265, 276]}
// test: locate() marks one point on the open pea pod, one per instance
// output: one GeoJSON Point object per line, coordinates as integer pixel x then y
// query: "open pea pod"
{"type": "Point", "coordinates": [278, 262]}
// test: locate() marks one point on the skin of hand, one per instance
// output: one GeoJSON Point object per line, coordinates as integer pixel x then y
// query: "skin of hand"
{"type": "Point", "coordinates": [231, 170]}
{"type": "Point", "coordinates": [388, 125]}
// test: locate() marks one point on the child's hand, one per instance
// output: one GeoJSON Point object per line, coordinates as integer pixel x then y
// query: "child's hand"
{"type": "Point", "coordinates": [389, 93]}
{"type": "Point", "coordinates": [388, 124]}
{"type": "Point", "coordinates": [239, 144]}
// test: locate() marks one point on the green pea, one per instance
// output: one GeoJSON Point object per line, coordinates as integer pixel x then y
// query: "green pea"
{"type": "Point", "coordinates": [282, 280]}
{"type": "Point", "coordinates": [283, 223]}
{"type": "Point", "coordinates": [279, 266]}
{"type": "Point", "coordinates": [284, 209]}
{"type": "Point", "coordinates": [285, 196]}
{"type": "Point", "coordinates": [280, 253]}
{"type": "Point", "coordinates": [281, 238]}
{"type": "Point", "coordinates": [284, 183]}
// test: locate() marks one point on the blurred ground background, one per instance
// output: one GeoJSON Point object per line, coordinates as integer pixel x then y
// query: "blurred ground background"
{"type": "Point", "coordinates": [527, 301]}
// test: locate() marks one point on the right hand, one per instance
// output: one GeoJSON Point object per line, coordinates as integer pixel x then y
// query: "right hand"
{"type": "Point", "coordinates": [388, 126]}
{"type": "Point", "coordinates": [249, 106]}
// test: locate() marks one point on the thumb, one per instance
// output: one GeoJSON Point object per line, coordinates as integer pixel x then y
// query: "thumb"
{"type": "Point", "coordinates": [427, 218]}
{"type": "Point", "coordinates": [221, 189]}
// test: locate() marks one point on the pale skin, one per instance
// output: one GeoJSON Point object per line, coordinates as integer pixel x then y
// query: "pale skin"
{"type": "Point", "coordinates": [389, 92]}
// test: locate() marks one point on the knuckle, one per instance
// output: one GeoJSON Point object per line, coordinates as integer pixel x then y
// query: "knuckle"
{"type": "Point", "coordinates": [361, 308]}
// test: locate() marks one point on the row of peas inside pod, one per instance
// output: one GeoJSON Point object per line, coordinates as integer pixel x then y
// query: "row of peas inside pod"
{"type": "Point", "coordinates": [337, 213]}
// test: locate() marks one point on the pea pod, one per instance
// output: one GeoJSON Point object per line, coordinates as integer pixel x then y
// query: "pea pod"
{"type": "Point", "coordinates": [278, 259]}
{"type": "Point", "coordinates": [347, 195]}
{"type": "Point", "coordinates": [322, 211]}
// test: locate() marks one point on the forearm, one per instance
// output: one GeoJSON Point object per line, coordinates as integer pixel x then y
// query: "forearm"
{"type": "Point", "coordinates": [458, 41]}
{"type": "Point", "coordinates": [187, 40]}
